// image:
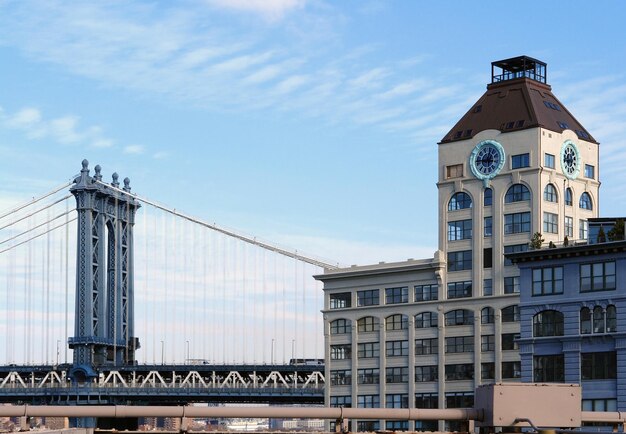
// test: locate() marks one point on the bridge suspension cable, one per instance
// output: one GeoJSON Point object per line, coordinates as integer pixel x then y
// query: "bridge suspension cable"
{"type": "Point", "coordinates": [37, 199]}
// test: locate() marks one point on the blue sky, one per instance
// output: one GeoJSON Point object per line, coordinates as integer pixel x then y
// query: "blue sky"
{"type": "Point", "coordinates": [313, 124]}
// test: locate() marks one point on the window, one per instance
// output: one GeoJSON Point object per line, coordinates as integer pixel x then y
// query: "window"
{"type": "Point", "coordinates": [585, 321]}
{"type": "Point", "coordinates": [368, 324]}
{"type": "Point", "coordinates": [454, 171]}
{"type": "Point", "coordinates": [340, 300]}
{"type": "Point", "coordinates": [339, 326]}
{"type": "Point", "coordinates": [397, 375]}
{"type": "Point", "coordinates": [519, 161]}
{"type": "Point", "coordinates": [397, 400]}
{"type": "Point", "coordinates": [548, 369]}
{"type": "Point", "coordinates": [460, 371]}
{"type": "Point", "coordinates": [509, 341]}
{"type": "Point", "coordinates": [397, 295]}
{"type": "Point", "coordinates": [510, 314]}
{"type": "Point", "coordinates": [511, 285]}
{"type": "Point", "coordinates": [598, 320]}
{"type": "Point", "coordinates": [460, 230]}
{"type": "Point", "coordinates": [460, 344]}
{"type": "Point", "coordinates": [599, 276]}
{"type": "Point", "coordinates": [396, 348]}
{"type": "Point", "coordinates": [460, 289]}
{"type": "Point", "coordinates": [569, 227]}
{"type": "Point", "coordinates": [611, 319]}
{"type": "Point", "coordinates": [425, 320]}
{"type": "Point", "coordinates": [426, 346]}
{"type": "Point", "coordinates": [460, 399]}
{"type": "Point", "coordinates": [368, 401]}
{"type": "Point", "coordinates": [487, 287]}
{"type": "Point", "coordinates": [609, 404]}
{"type": "Point", "coordinates": [568, 196]}
{"type": "Point", "coordinates": [426, 373]}
{"type": "Point", "coordinates": [397, 425]}
{"type": "Point", "coordinates": [487, 371]}
{"type": "Point", "coordinates": [598, 366]}
{"type": "Point", "coordinates": [426, 292]}
{"type": "Point", "coordinates": [340, 352]}
{"type": "Point", "coordinates": [459, 201]}
{"type": "Point", "coordinates": [487, 343]}
{"type": "Point", "coordinates": [548, 323]}
{"type": "Point", "coordinates": [517, 193]}
{"type": "Point", "coordinates": [368, 376]}
{"type": "Point", "coordinates": [549, 194]}
{"type": "Point", "coordinates": [366, 426]}
{"type": "Point", "coordinates": [511, 370]}
{"type": "Point", "coordinates": [547, 280]}
{"type": "Point", "coordinates": [396, 322]}
{"type": "Point", "coordinates": [487, 257]}
{"type": "Point", "coordinates": [583, 229]}
{"type": "Point", "coordinates": [548, 160]}
{"type": "Point", "coordinates": [516, 223]}
{"type": "Point", "coordinates": [589, 171]}
{"type": "Point", "coordinates": [488, 227]}
{"type": "Point", "coordinates": [341, 377]}
{"type": "Point", "coordinates": [585, 201]}
{"type": "Point", "coordinates": [367, 298]}
{"type": "Point", "coordinates": [487, 315]}
{"type": "Point", "coordinates": [562, 125]}
{"type": "Point", "coordinates": [341, 401]}
{"type": "Point", "coordinates": [488, 197]}
{"type": "Point", "coordinates": [368, 350]}
{"type": "Point", "coordinates": [426, 400]}
{"type": "Point", "coordinates": [515, 248]}
{"type": "Point", "coordinates": [458, 261]}
{"type": "Point", "coordinates": [459, 317]}
{"type": "Point", "coordinates": [550, 223]}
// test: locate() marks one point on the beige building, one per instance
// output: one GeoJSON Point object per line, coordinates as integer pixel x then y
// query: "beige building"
{"type": "Point", "coordinates": [425, 333]}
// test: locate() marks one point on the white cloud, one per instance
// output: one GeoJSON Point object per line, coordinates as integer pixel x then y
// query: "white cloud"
{"type": "Point", "coordinates": [134, 149]}
{"type": "Point", "coordinates": [270, 9]}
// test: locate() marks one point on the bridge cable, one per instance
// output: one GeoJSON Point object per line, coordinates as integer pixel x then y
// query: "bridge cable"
{"type": "Point", "coordinates": [47, 222]}
{"type": "Point", "coordinates": [38, 235]}
{"type": "Point", "coordinates": [35, 212]}
{"type": "Point", "coordinates": [35, 200]}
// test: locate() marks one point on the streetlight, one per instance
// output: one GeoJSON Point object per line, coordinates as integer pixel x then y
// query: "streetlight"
{"type": "Point", "coordinates": [187, 360]}
{"type": "Point", "coordinates": [162, 352]}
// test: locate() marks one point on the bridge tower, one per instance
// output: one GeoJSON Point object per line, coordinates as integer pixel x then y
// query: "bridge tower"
{"type": "Point", "coordinates": [104, 323]}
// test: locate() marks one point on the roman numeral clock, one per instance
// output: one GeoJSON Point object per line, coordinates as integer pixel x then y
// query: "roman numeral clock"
{"type": "Point", "coordinates": [486, 160]}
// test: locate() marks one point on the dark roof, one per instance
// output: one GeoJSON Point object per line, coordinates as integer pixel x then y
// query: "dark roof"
{"type": "Point", "coordinates": [516, 104]}
{"type": "Point", "coordinates": [568, 252]}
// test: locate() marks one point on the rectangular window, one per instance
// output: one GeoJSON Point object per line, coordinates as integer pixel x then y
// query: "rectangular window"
{"type": "Point", "coordinates": [519, 161]}
{"type": "Point", "coordinates": [487, 343]}
{"type": "Point", "coordinates": [547, 280]}
{"type": "Point", "coordinates": [368, 401]}
{"type": "Point", "coordinates": [487, 257]}
{"type": "Point", "coordinates": [550, 223]}
{"type": "Point", "coordinates": [488, 371]}
{"type": "Point", "coordinates": [396, 400]}
{"type": "Point", "coordinates": [460, 344]}
{"type": "Point", "coordinates": [341, 401]}
{"type": "Point", "coordinates": [599, 276]}
{"type": "Point", "coordinates": [601, 404]}
{"type": "Point", "coordinates": [511, 285]}
{"type": "Point", "coordinates": [397, 295]}
{"type": "Point", "coordinates": [487, 287]}
{"type": "Point", "coordinates": [396, 348]}
{"type": "Point", "coordinates": [368, 297]}
{"type": "Point", "coordinates": [368, 376]}
{"type": "Point", "coordinates": [460, 230]}
{"type": "Point", "coordinates": [341, 300]}
{"type": "Point", "coordinates": [583, 229]}
{"type": "Point", "coordinates": [509, 341]}
{"type": "Point", "coordinates": [341, 377]}
{"type": "Point", "coordinates": [488, 227]}
{"type": "Point", "coordinates": [397, 425]}
{"type": "Point", "coordinates": [426, 292]}
{"type": "Point", "coordinates": [461, 371]}
{"type": "Point", "coordinates": [340, 352]}
{"type": "Point", "coordinates": [365, 426]}
{"type": "Point", "coordinates": [515, 248]}
{"type": "Point", "coordinates": [516, 223]}
{"type": "Point", "coordinates": [397, 375]}
{"type": "Point", "coordinates": [368, 350]}
{"type": "Point", "coordinates": [589, 171]}
{"type": "Point", "coordinates": [459, 399]}
{"type": "Point", "coordinates": [454, 171]}
{"type": "Point", "coordinates": [426, 373]}
{"type": "Point", "coordinates": [458, 261]}
{"type": "Point", "coordinates": [598, 366]}
{"type": "Point", "coordinates": [549, 161]}
{"type": "Point", "coordinates": [460, 289]}
{"type": "Point", "coordinates": [569, 227]}
{"type": "Point", "coordinates": [511, 370]}
{"type": "Point", "coordinates": [426, 400]}
{"type": "Point", "coordinates": [548, 369]}
{"type": "Point", "coordinates": [368, 324]}
{"type": "Point", "coordinates": [426, 346]}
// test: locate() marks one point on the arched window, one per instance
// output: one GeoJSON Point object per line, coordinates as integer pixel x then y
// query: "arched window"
{"type": "Point", "coordinates": [425, 320]}
{"type": "Point", "coordinates": [487, 315]}
{"type": "Point", "coordinates": [459, 317]}
{"type": "Point", "coordinates": [510, 314]}
{"type": "Point", "coordinates": [460, 200]}
{"type": "Point", "coordinates": [548, 323]}
{"type": "Point", "coordinates": [368, 324]}
{"type": "Point", "coordinates": [339, 326]}
{"type": "Point", "coordinates": [568, 196]}
{"type": "Point", "coordinates": [611, 319]}
{"type": "Point", "coordinates": [396, 322]}
{"type": "Point", "coordinates": [517, 193]}
{"type": "Point", "coordinates": [585, 201]}
{"type": "Point", "coordinates": [598, 319]}
{"type": "Point", "coordinates": [585, 321]}
{"type": "Point", "coordinates": [488, 197]}
{"type": "Point", "coordinates": [549, 193]}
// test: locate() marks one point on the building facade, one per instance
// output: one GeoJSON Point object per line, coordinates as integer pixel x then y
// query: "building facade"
{"type": "Point", "coordinates": [425, 333]}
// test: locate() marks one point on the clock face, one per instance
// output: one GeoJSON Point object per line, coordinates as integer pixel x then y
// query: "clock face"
{"type": "Point", "coordinates": [487, 159]}
{"type": "Point", "coordinates": [570, 159]}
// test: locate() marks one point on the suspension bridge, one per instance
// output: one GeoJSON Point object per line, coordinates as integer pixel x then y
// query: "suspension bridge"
{"type": "Point", "coordinates": [113, 298]}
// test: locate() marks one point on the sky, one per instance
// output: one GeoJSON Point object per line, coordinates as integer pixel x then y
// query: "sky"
{"type": "Point", "coordinates": [312, 124]}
